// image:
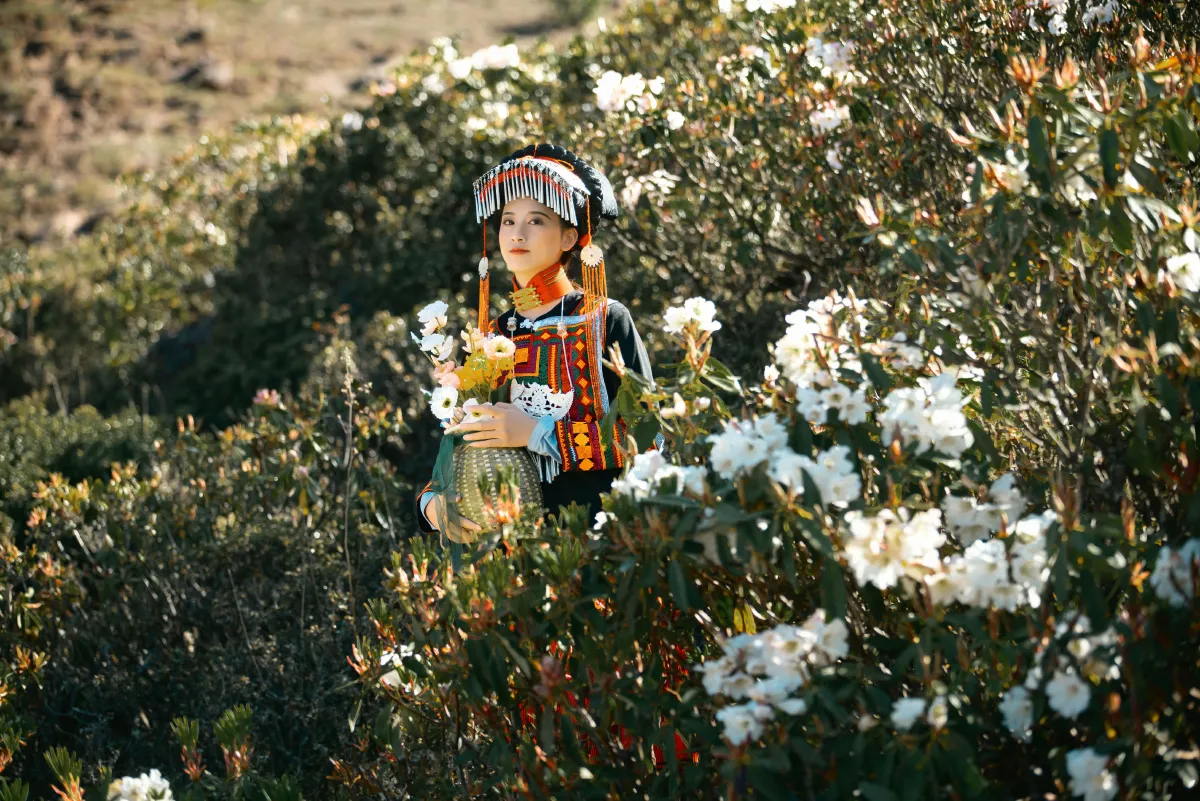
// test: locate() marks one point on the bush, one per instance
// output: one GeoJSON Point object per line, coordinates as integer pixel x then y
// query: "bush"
{"type": "Point", "coordinates": [948, 526]}
{"type": "Point", "coordinates": [224, 570]}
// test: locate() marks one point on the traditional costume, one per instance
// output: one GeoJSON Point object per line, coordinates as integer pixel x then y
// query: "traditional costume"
{"type": "Point", "coordinates": [559, 376]}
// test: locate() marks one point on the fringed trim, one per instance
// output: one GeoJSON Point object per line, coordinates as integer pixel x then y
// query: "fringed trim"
{"type": "Point", "coordinates": [548, 467]}
{"type": "Point", "coordinates": [544, 181]}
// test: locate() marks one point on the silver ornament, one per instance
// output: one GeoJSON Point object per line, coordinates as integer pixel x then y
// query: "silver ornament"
{"type": "Point", "coordinates": [591, 256]}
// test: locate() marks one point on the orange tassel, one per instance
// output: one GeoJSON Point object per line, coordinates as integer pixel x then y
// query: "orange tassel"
{"type": "Point", "coordinates": [485, 290]}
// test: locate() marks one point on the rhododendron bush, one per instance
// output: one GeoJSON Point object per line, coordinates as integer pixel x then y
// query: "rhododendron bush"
{"type": "Point", "coordinates": [920, 281]}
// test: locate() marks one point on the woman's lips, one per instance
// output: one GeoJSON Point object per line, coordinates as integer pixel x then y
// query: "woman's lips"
{"type": "Point", "coordinates": [518, 251]}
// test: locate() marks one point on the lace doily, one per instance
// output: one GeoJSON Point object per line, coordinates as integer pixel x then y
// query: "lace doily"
{"type": "Point", "coordinates": [538, 400]}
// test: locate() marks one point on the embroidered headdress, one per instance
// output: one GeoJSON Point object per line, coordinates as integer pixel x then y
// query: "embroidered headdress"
{"type": "Point", "coordinates": [555, 177]}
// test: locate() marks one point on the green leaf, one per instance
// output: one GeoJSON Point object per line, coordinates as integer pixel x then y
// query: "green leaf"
{"type": "Point", "coordinates": [679, 584]}
{"type": "Point", "coordinates": [646, 432]}
{"type": "Point", "coordinates": [1181, 137]}
{"type": "Point", "coordinates": [1039, 152]}
{"type": "Point", "coordinates": [879, 379]}
{"type": "Point", "coordinates": [1147, 177]}
{"type": "Point", "coordinates": [987, 396]}
{"type": "Point", "coordinates": [833, 589]}
{"type": "Point", "coordinates": [1120, 228]}
{"type": "Point", "coordinates": [876, 792]}
{"type": "Point", "coordinates": [1110, 157]}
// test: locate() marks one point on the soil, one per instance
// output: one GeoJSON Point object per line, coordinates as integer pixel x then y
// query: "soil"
{"type": "Point", "coordinates": [91, 89]}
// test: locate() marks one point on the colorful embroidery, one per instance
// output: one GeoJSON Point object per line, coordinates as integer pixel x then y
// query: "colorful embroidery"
{"type": "Point", "coordinates": [540, 359]}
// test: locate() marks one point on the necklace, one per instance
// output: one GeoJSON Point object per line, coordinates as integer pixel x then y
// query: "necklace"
{"type": "Point", "coordinates": [546, 287]}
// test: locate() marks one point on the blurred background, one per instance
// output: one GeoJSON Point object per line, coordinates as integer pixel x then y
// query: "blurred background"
{"type": "Point", "coordinates": [90, 89]}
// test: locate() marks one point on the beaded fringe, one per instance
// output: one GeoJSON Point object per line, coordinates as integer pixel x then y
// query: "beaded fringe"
{"type": "Point", "coordinates": [548, 467]}
{"type": "Point", "coordinates": [532, 178]}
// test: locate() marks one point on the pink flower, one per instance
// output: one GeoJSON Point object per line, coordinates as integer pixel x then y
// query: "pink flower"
{"type": "Point", "coordinates": [267, 397]}
{"type": "Point", "coordinates": [449, 380]}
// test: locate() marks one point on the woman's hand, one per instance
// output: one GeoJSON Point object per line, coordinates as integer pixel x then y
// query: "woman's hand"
{"type": "Point", "coordinates": [501, 426]}
{"type": "Point", "coordinates": [435, 511]}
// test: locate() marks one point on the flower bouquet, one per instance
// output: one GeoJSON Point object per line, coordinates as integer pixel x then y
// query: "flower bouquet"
{"type": "Point", "coordinates": [472, 480]}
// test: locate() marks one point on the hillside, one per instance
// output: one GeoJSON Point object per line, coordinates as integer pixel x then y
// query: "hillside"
{"type": "Point", "coordinates": [90, 89]}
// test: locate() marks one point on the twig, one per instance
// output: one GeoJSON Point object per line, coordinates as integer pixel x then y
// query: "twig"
{"type": "Point", "coordinates": [245, 633]}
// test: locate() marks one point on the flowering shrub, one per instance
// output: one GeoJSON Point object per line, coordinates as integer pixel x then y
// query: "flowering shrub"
{"type": "Point", "coordinates": [943, 546]}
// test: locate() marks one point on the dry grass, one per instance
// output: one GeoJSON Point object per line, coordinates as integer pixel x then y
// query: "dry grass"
{"type": "Point", "coordinates": [89, 89]}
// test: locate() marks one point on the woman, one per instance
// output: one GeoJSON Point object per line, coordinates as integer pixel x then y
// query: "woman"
{"type": "Point", "coordinates": [544, 203]}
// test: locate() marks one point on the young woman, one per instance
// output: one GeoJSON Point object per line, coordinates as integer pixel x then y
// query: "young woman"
{"type": "Point", "coordinates": [544, 203]}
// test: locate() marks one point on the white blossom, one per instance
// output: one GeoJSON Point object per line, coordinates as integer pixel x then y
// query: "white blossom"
{"type": "Point", "coordinates": [1017, 708]}
{"type": "Point", "coordinates": [675, 120]}
{"type": "Point", "coordinates": [1090, 778]}
{"type": "Point", "coordinates": [828, 116]}
{"type": "Point", "coordinates": [929, 416]}
{"type": "Point", "coordinates": [1100, 13]}
{"type": "Point", "coordinates": [906, 712]}
{"type": "Point", "coordinates": [833, 157]}
{"type": "Point", "coordinates": [615, 92]}
{"type": "Point", "coordinates": [1068, 694]}
{"type": "Point", "coordinates": [767, 669]}
{"type": "Point", "coordinates": [834, 59]}
{"type": "Point", "coordinates": [1173, 571]}
{"type": "Point", "coordinates": [146, 787]}
{"type": "Point", "coordinates": [434, 312]}
{"type": "Point", "coordinates": [892, 545]}
{"type": "Point", "coordinates": [1184, 271]}
{"type": "Point", "coordinates": [699, 313]}
{"type": "Point", "coordinates": [496, 57]}
{"type": "Point", "coordinates": [442, 402]}
{"type": "Point", "coordinates": [744, 722]}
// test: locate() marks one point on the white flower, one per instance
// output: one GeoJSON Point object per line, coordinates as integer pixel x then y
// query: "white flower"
{"type": "Point", "coordinates": [1057, 25]}
{"type": "Point", "coordinates": [828, 116]}
{"type": "Point", "coordinates": [906, 712]}
{"type": "Point", "coordinates": [888, 546]}
{"type": "Point", "coordinates": [744, 722]}
{"type": "Point", "coordinates": [833, 157]}
{"type": "Point", "coordinates": [1100, 13]}
{"type": "Point", "coordinates": [1068, 694]}
{"type": "Point", "coordinates": [601, 520]}
{"type": "Point", "coordinates": [834, 59]}
{"type": "Point", "coordinates": [928, 416]}
{"type": "Point", "coordinates": [1185, 271]}
{"type": "Point", "coordinates": [433, 312]}
{"type": "Point", "coordinates": [675, 120]}
{"type": "Point", "coordinates": [698, 312]}
{"type": "Point", "coordinates": [443, 401]}
{"type": "Point", "coordinates": [499, 347]}
{"type": "Point", "coordinates": [352, 121]}
{"type": "Point", "coordinates": [614, 91]}
{"type": "Point", "coordinates": [433, 342]}
{"type": "Point", "coordinates": [770, 374]}
{"type": "Point", "coordinates": [1017, 708]}
{"type": "Point", "coordinates": [793, 706]}
{"type": "Point", "coordinates": [1172, 576]}
{"type": "Point", "coordinates": [460, 68]}
{"type": "Point", "coordinates": [147, 787]}
{"type": "Point", "coordinates": [1090, 778]}
{"type": "Point", "coordinates": [768, 6]}
{"type": "Point", "coordinates": [496, 57]}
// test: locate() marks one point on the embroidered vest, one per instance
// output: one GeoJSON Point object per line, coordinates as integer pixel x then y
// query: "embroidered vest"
{"type": "Point", "coordinates": [539, 360]}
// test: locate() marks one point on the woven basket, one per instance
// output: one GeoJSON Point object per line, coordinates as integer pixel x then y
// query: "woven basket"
{"type": "Point", "coordinates": [473, 464]}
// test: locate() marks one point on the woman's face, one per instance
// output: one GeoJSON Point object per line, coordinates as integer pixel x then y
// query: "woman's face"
{"type": "Point", "coordinates": [532, 237]}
